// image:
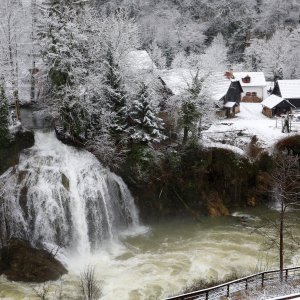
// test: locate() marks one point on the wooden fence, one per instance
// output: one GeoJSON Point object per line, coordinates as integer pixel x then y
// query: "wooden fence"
{"type": "Point", "coordinates": [250, 282]}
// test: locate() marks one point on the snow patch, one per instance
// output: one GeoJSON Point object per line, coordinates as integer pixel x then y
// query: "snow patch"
{"type": "Point", "coordinates": [239, 130]}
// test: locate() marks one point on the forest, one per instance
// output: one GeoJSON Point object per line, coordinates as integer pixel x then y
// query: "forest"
{"type": "Point", "coordinates": [70, 58]}
{"type": "Point", "coordinates": [93, 69]}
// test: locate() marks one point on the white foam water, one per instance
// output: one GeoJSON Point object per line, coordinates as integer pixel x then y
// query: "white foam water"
{"type": "Point", "coordinates": [61, 196]}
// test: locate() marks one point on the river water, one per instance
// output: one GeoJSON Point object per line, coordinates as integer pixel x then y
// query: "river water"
{"type": "Point", "coordinates": [166, 256]}
{"type": "Point", "coordinates": [133, 261]}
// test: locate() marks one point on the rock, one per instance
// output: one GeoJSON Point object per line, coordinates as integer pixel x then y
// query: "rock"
{"type": "Point", "coordinates": [9, 154]}
{"type": "Point", "coordinates": [19, 261]}
{"type": "Point", "coordinates": [251, 201]}
{"type": "Point", "coordinates": [215, 206]}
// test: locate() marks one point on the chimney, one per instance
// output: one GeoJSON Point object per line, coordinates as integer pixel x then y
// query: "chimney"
{"type": "Point", "coordinates": [229, 74]}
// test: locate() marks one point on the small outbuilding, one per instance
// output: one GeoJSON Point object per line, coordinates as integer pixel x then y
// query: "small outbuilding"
{"type": "Point", "coordinates": [289, 90]}
{"type": "Point", "coordinates": [275, 106]}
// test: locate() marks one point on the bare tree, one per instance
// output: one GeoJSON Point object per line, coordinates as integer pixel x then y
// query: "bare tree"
{"type": "Point", "coordinates": [285, 191]}
{"type": "Point", "coordinates": [42, 292]}
{"type": "Point", "coordinates": [89, 285]}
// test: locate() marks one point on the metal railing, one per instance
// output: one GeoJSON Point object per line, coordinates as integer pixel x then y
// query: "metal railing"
{"type": "Point", "coordinates": [242, 284]}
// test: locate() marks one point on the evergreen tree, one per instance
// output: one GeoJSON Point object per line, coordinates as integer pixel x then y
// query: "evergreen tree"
{"type": "Point", "coordinates": [147, 126]}
{"type": "Point", "coordinates": [190, 113]}
{"type": "Point", "coordinates": [116, 96]}
{"type": "Point", "coordinates": [64, 46]}
{"type": "Point", "coordinates": [4, 118]}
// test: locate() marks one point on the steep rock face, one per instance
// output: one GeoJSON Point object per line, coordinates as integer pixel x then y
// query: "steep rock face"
{"type": "Point", "coordinates": [199, 181]}
{"type": "Point", "coordinates": [9, 154]}
{"type": "Point", "coordinates": [19, 261]}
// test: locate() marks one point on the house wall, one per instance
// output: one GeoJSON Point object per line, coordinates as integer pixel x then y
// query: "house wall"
{"type": "Point", "coordinates": [258, 89]}
{"type": "Point", "coordinates": [234, 93]}
{"type": "Point", "coordinates": [276, 90]}
{"type": "Point", "coordinates": [267, 112]}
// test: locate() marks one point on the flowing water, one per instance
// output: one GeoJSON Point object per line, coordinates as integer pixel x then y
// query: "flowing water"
{"type": "Point", "coordinates": [61, 196]}
{"type": "Point", "coordinates": [58, 195]}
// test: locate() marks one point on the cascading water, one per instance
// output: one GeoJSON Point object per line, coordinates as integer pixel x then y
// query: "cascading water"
{"type": "Point", "coordinates": [59, 195]}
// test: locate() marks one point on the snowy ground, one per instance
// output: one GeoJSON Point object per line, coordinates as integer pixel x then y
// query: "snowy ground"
{"type": "Point", "coordinates": [237, 132]}
{"type": "Point", "coordinates": [270, 292]}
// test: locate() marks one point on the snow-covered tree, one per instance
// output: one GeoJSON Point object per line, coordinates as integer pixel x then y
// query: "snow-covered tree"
{"type": "Point", "coordinates": [117, 31]}
{"type": "Point", "coordinates": [277, 14]}
{"type": "Point", "coordinates": [11, 46]}
{"type": "Point", "coordinates": [4, 118]}
{"type": "Point", "coordinates": [157, 56]}
{"type": "Point", "coordinates": [190, 113]}
{"type": "Point", "coordinates": [65, 52]}
{"type": "Point", "coordinates": [253, 57]}
{"type": "Point", "coordinates": [276, 56]}
{"type": "Point", "coordinates": [146, 126]}
{"type": "Point", "coordinates": [215, 57]}
{"type": "Point", "coordinates": [115, 94]}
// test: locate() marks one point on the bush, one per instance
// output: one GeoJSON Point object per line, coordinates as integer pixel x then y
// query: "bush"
{"type": "Point", "coordinates": [291, 144]}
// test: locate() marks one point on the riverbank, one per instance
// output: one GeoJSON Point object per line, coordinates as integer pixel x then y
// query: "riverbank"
{"type": "Point", "coordinates": [170, 255]}
{"type": "Point", "coordinates": [198, 181]}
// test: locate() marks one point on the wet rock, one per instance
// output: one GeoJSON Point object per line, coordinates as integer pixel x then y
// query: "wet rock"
{"type": "Point", "coordinates": [251, 201]}
{"type": "Point", "coordinates": [19, 261]}
{"type": "Point", "coordinates": [216, 207]}
{"type": "Point", "coordinates": [65, 181]}
{"type": "Point", "coordinates": [9, 154]}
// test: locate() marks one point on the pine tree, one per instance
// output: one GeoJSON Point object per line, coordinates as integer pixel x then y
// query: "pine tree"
{"type": "Point", "coordinates": [147, 126]}
{"type": "Point", "coordinates": [4, 118]}
{"type": "Point", "coordinates": [190, 113]}
{"type": "Point", "coordinates": [115, 94]}
{"type": "Point", "coordinates": [64, 45]}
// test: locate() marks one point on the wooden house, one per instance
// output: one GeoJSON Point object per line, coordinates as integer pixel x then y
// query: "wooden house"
{"type": "Point", "coordinates": [224, 92]}
{"type": "Point", "coordinates": [288, 90]}
{"type": "Point", "coordinates": [227, 94]}
{"type": "Point", "coordinates": [275, 106]}
{"type": "Point", "coordinates": [254, 85]}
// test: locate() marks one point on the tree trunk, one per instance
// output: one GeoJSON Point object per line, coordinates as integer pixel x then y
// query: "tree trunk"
{"type": "Point", "coordinates": [33, 38]}
{"type": "Point", "coordinates": [13, 67]}
{"type": "Point", "coordinates": [281, 256]}
{"type": "Point", "coordinates": [185, 135]}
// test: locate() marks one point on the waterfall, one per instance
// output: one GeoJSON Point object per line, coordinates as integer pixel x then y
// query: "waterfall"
{"type": "Point", "coordinates": [59, 195]}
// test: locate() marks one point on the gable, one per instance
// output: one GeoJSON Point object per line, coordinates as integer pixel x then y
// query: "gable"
{"type": "Point", "coordinates": [254, 79]}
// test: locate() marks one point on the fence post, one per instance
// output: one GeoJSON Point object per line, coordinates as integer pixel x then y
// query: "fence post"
{"type": "Point", "coordinates": [246, 287]}
{"type": "Point", "coordinates": [228, 290]}
{"type": "Point", "coordinates": [286, 274]}
{"type": "Point", "coordinates": [206, 295]}
{"type": "Point", "coordinates": [262, 279]}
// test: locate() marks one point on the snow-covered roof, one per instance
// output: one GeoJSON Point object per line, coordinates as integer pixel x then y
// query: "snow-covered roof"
{"type": "Point", "coordinates": [290, 89]}
{"type": "Point", "coordinates": [256, 78]}
{"type": "Point", "coordinates": [273, 100]}
{"type": "Point", "coordinates": [178, 79]}
{"type": "Point", "coordinates": [220, 86]}
{"type": "Point", "coordinates": [229, 104]}
{"type": "Point", "coordinates": [139, 60]}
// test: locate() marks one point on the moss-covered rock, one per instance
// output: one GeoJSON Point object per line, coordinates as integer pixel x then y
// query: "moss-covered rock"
{"type": "Point", "coordinates": [215, 206]}
{"type": "Point", "coordinates": [184, 181]}
{"type": "Point", "coordinates": [19, 261]}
